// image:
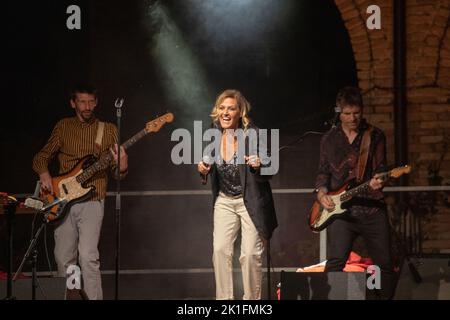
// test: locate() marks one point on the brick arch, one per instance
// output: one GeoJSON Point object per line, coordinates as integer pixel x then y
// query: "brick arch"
{"type": "Point", "coordinates": [372, 51]}
{"type": "Point", "coordinates": [443, 71]}
{"type": "Point", "coordinates": [428, 63]}
{"type": "Point", "coordinates": [428, 89]}
{"type": "Point", "coordinates": [372, 48]}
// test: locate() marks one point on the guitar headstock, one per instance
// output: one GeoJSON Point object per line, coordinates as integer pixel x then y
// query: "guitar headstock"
{"type": "Point", "coordinates": [155, 125]}
{"type": "Point", "coordinates": [397, 172]}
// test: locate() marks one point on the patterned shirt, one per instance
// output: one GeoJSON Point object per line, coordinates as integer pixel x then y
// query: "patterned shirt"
{"type": "Point", "coordinates": [72, 140]}
{"type": "Point", "coordinates": [229, 177]}
{"type": "Point", "coordinates": [338, 161]}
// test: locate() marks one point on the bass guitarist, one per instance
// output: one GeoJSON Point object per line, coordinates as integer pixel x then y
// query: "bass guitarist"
{"type": "Point", "coordinates": [355, 149]}
{"type": "Point", "coordinates": [77, 234]}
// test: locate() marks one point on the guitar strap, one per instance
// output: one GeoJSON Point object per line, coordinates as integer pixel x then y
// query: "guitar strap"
{"type": "Point", "coordinates": [363, 154]}
{"type": "Point", "coordinates": [99, 137]}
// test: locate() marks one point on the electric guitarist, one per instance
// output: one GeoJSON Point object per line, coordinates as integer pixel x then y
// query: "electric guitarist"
{"type": "Point", "coordinates": [355, 149]}
{"type": "Point", "coordinates": [77, 235]}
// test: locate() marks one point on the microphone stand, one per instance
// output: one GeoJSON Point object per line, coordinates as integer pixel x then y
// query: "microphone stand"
{"type": "Point", "coordinates": [300, 139]}
{"type": "Point", "coordinates": [322, 235]}
{"type": "Point", "coordinates": [118, 104]}
{"type": "Point", "coordinates": [269, 282]}
{"type": "Point", "coordinates": [10, 210]}
{"type": "Point", "coordinates": [32, 250]}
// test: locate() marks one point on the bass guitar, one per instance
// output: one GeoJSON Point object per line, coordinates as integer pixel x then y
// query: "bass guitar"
{"type": "Point", "coordinates": [70, 188]}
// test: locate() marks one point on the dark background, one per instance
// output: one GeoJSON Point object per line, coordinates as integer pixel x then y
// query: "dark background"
{"type": "Point", "coordinates": [289, 58]}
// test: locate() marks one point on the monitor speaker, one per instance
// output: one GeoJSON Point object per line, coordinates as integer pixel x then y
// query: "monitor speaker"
{"type": "Point", "coordinates": [323, 286]}
{"type": "Point", "coordinates": [49, 288]}
{"type": "Point", "coordinates": [435, 275]}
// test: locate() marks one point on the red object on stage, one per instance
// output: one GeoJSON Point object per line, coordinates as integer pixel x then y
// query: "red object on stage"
{"type": "Point", "coordinates": [4, 276]}
{"type": "Point", "coordinates": [355, 263]}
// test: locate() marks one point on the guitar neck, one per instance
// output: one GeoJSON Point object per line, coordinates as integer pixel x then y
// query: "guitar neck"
{"type": "Point", "coordinates": [361, 188]}
{"type": "Point", "coordinates": [138, 136]}
{"type": "Point", "coordinates": [105, 160]}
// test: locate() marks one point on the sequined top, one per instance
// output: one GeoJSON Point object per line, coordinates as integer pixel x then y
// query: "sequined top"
{"type": "Point", "coordinates": [229, 178]}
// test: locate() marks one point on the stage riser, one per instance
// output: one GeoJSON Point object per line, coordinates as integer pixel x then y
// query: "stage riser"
{"type": "Point", "coordinates": [323, 286]}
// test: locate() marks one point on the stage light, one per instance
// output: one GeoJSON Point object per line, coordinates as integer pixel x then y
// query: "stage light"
{"type": "Point", "coordinates": [181, 73]}
{"type": "Point", "coordinates": [226, 36]}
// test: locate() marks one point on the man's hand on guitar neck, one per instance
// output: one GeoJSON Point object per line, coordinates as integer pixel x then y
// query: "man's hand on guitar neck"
{"type": "Point", "coordinates": [46, 181]}
{"type": "Point", "coordinates": [123, 157]}
{"type": "Point", "coordinates": [376, 182]}
{"type": "Point", "coordinates": [325, 200]}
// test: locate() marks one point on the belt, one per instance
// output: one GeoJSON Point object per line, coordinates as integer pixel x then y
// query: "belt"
{"type": "Point", "coordinates": [230, 197]}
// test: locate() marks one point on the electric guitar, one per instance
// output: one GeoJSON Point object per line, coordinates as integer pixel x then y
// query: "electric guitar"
{"type": "Point", "coordinates": [319, 218]}
{"type": "Point", "coordinates": [70, 188]}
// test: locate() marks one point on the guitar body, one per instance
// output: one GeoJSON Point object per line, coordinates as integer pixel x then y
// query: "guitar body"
{"type": "Point", "coordinates": [67, 190]}
{"type": "Point", "coordinates": [319, 218]}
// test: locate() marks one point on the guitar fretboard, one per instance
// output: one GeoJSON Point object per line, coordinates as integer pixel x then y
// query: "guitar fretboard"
{"type": "Point", "coordinates": [361, 188]}
{"type": "Point", "coordinates": [106, 159]}
{"type": "Point", "coordinates": [138, 136]}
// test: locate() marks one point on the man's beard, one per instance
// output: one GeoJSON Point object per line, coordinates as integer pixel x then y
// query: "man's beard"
{"type": "Point", "coordinates": [87, 116]}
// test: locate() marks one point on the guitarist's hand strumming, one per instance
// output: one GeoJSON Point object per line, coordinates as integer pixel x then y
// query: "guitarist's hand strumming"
{"type": "Point", "coordinates": [46, 181]}
{"type": "Point", "coordinates": [325, 200]}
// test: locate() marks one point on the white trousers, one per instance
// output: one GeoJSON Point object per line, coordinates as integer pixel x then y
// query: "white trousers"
{"type": "Point", "coordinates": [76, 243]}
{"type": "Point", "coordinates": [230, 215]}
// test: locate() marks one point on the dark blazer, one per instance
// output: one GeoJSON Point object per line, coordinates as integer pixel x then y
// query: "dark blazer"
{"type": "Point", "coordinates": [257, 195]}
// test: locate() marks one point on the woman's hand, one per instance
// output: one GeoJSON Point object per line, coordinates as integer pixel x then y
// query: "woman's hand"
{"type": "Point", "coordinates": [253, 161]}
{"type": "Point", "coordinates": [203, 168]}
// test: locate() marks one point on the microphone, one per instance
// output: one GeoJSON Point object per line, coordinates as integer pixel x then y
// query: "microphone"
{"type": "Point", "coordinates": [207, 161]}
{"type": "Point", "coordinates": [337, 113]}
{"type": "Point", "coordinates": [335, 120]}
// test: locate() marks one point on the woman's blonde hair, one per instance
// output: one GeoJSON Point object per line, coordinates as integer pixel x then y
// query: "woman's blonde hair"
{"type": "Point", "coordinates": [242, 104]}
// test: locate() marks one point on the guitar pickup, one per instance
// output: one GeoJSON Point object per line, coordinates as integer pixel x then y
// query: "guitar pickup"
{"type": "Point", "coordinates": [65, 188]}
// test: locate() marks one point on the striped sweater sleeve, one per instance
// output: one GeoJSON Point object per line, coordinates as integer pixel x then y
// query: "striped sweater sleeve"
{"type": "Point", "coordinates": [43, 157]}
